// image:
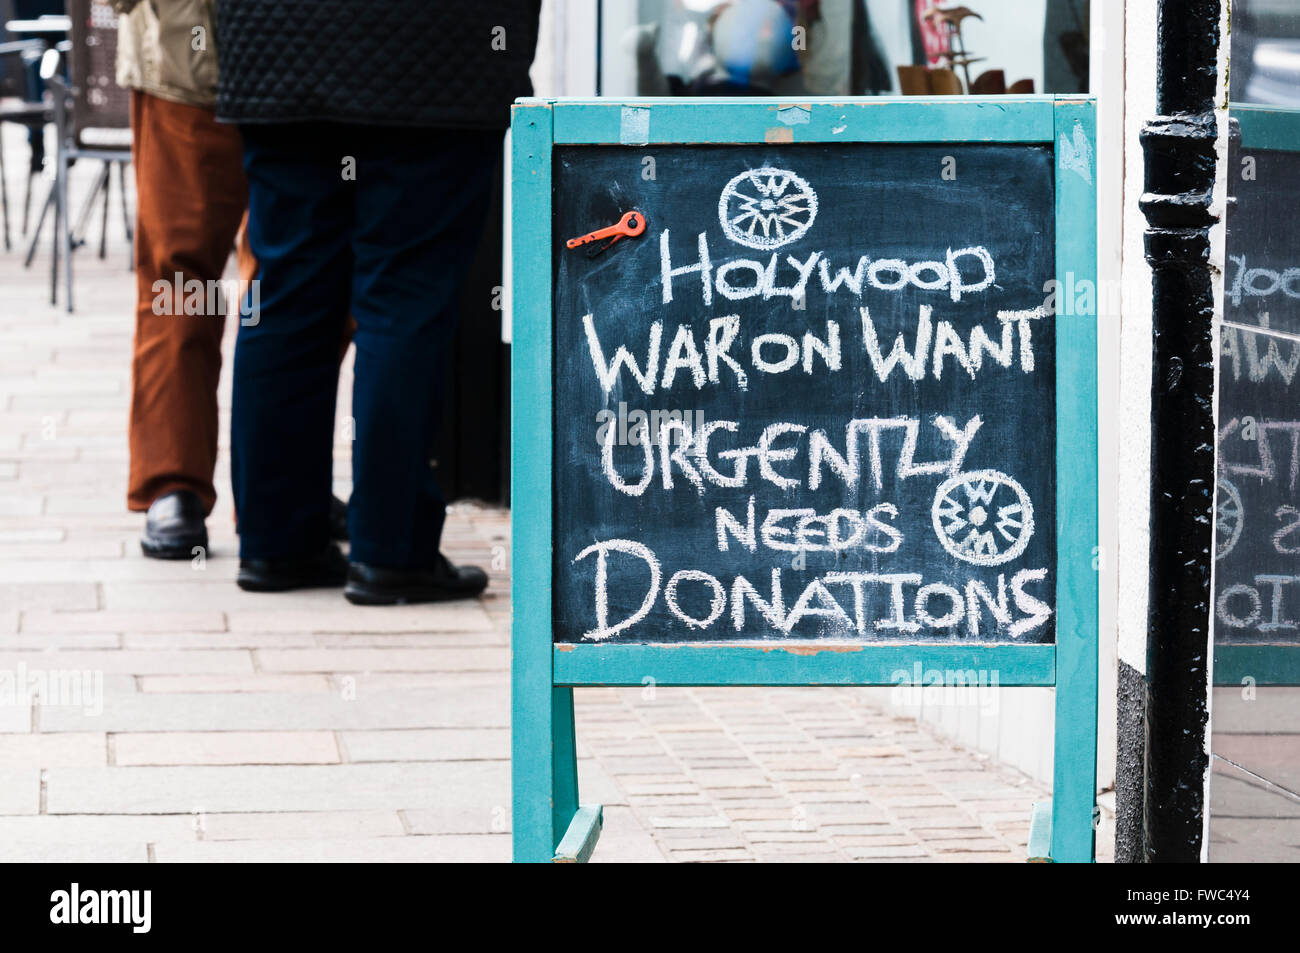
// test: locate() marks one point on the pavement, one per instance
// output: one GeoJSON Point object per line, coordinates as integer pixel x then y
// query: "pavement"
{"type": "Point", "coordinates": [186, 720]}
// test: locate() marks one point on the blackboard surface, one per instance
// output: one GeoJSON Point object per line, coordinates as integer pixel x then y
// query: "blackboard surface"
{"type": "Point", "coordinates": [1257, 586]}
{"type": "Point", "coordinates": [910, 500]}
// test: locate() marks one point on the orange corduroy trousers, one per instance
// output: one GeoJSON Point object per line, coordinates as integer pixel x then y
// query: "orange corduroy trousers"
{"type": "Point", "coordinates": [191, 195]}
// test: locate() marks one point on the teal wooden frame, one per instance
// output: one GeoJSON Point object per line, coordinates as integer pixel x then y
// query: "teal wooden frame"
{"type": "Point", "coordinates": [548, 822]}
{"type": "Point", "coordinates": [1269, 129]}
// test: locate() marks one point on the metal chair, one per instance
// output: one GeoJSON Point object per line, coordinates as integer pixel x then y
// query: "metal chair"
{"type": "Point", "coordinates": [944, 82]}
{"type": "Point", "coordinates": [991, 82]}
{"type": "Point", "coordinates": [20, 105]}
{"type": "Point", "coordinates": [913, 81]}
{"type": "Point", "coordinates": [92, 120]}
{"type": "Point", "coordinates": [920, 81]}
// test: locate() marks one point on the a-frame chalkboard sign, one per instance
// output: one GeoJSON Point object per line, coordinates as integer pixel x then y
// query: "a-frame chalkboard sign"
{"type": "Point", "coordinates": [1257, 531]}
{"type": "Point", "coordinates": [804, 393]}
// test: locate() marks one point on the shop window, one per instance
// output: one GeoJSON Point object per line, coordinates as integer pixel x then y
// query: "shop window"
{"type": "Point", "coordinates": [842, 47]}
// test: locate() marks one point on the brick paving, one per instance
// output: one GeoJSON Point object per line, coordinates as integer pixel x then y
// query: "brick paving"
{"type": "Point", "coordinates": [219, 725]}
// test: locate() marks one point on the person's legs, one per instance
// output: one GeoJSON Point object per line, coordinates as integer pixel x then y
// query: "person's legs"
{"type": "Point", "coordinates": [246, 262]}
{"type": "Point", "coordinates": [247, 265]}
{"type": "Point", "coordinates": [286, 355]}
{"type": "Point", "coordinates": [190, 195]}
{"type": "Point", "coordinates": [421, 202]}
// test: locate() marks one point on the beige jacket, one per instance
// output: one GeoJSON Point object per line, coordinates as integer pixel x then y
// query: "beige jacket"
{"type": "Point", "coordinates": [168, 48]}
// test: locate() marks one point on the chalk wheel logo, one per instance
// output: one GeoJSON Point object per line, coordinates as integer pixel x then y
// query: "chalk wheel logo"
{"type": "Point", "coordinates": [1229, 518]}
{"type": "Point", "coordinates": [766, 208]}
{"type": "Point", "coordinates": [983, 517]}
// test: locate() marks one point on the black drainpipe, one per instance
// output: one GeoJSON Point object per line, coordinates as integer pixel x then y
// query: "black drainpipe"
{"type": "Point", "coordinates": [1179, 151]}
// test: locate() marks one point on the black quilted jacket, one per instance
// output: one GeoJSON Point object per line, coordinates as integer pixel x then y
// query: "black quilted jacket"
{"type": "Point", "coordinates": [388, 62]}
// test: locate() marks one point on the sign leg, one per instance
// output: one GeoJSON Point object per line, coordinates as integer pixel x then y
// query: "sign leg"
{"type": "Point", "coordinates": [564, 763]}
{"type": "Point", "coordinates": [1075, 770]}
{"type": "Point", "coordinates": [544, 767]}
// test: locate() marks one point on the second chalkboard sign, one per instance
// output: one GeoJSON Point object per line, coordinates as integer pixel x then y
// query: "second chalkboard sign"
{"type": "Point", "coordinates": [1257, 505]}
{"type": "Point", "coordinates": [803, 394]}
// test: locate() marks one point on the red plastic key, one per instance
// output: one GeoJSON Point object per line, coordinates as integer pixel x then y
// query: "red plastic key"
{"type": "Point", "coordinates": [631, 224]}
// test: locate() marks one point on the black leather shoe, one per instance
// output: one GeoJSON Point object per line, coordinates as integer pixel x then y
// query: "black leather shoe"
{"type": "Point", "coordinates": [173, 527]}
{"type": "Point", "coordinates": [338, 520]}
{"type": "Point", "coordinates": [376, 586]}
{"type": "Point", "coordinates": [326, 569]}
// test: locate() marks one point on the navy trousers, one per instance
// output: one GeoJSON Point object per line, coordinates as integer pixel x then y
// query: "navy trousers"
{"type": "Point", "coordinates": [384, 223]}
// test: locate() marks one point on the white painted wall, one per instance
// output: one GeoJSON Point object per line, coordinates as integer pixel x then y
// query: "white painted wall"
{"type": "Point", "coordinates": [1134, 483]}
{"type": "Point", "coordinates": [1107, 82]}
{"type": "Point", "coordinates": [1218, 260]}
